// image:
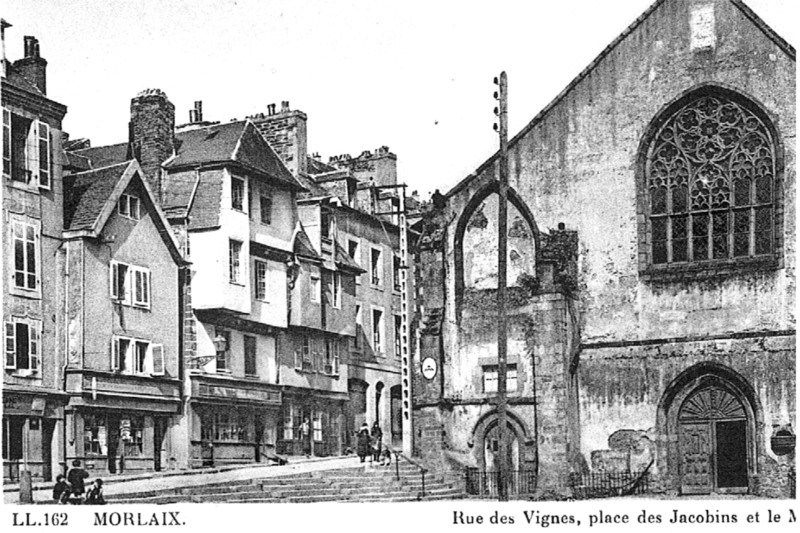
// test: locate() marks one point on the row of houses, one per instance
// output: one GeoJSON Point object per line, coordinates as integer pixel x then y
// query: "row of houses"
{"type": "Point", "coordinates": [198, 294]}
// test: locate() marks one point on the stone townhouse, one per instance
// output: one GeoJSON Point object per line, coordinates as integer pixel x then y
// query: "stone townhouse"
{"type": "Point", "coordinates": [651, 270]}
{"type": "Point", "coordinates": [123, 312]}
{"type": "Point", "coordinates": [338, 212]}
{"type": "Point", "coordinates": [33, 259]}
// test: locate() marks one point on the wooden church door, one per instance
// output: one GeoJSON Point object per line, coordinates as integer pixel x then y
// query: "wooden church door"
{"type": "Point", "coordinates": [712, 441]}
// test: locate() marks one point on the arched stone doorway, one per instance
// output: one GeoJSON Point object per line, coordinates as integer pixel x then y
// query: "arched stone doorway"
{"type": "Point", "coordinates": [709, 418]}
{"type": "Point", "coordinates": [521, 453]}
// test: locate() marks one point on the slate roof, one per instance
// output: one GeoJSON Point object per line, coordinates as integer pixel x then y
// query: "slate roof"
{"type": "Point", "coordinates": [313, 190]}
{"type": "Point", "coordinates": [239, 142]}
{"type": "Point", "coordinates": [87, 194]}
{"type": "Point", "coordinates": [303, 247]}
{"type": "Point", "coordinates": [344, 260]}
{"type": "Point", "coordinates": [103, 156]}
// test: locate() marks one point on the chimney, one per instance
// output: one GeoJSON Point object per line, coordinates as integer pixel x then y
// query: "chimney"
{"type": "Point", "coordinates": [285, 131]}
{"type": "Point", "coordinates": [3, 26]}
{"type": "Point", "coordinates": [196, 114]}
{"type": "Point", "coordinates": [32, 66]}
{"type": "Point", "coordinates": [151, 134]}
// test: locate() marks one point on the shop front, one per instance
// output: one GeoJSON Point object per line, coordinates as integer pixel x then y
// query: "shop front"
{"type": "Point", "coordinates": [32, 423]}
{"type": "Point", "coordinates": [233, 421]}
{"type": "Point", "coordinates": [312, 423]}
{"type": "Point", "coordinates": [122, 424]}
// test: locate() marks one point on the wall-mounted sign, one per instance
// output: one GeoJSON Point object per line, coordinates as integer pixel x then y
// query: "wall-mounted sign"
{"type": "Point", "coordinates": [429, 368]}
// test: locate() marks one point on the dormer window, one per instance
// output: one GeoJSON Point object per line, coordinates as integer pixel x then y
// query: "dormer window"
{"type": "Point", "coordinates": [129, 207]}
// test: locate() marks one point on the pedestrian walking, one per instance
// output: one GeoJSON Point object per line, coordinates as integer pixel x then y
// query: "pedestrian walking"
{"type": "Point", "coordinates": [377, 441]}
{"type": "Point", "coordinates": [76, 478]}
{"type": "Point", "coordinates": [363, 442]}
{"type": "Point", "coordinates": [61, 490]}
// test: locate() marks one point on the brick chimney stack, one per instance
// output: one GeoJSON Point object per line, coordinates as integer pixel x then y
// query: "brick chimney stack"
{"type": "Point", "coordinates": [152, 134]}
{"type": "Point", "coordinates": [32, 66]}
{"type": "Point", "coordinates": [196, 114]}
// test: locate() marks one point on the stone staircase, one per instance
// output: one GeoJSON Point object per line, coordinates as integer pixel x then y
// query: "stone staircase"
{"type": "Point", "coordinates": [359, 484]}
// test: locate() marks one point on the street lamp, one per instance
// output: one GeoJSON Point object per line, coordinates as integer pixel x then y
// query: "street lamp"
{"type": "Point", "coordinates": [220, 345]}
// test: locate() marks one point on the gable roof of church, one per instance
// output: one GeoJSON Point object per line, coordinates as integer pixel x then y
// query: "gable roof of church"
{"type": "Point", "coordinates": [779, 41]}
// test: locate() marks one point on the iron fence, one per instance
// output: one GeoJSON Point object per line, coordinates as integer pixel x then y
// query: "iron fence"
{"type": "Point", "coordinates": [607, 484]}
{"type": "Point", "coordinates": [792, 483]}
{"type": "Point", "coordinates": [486, 484]}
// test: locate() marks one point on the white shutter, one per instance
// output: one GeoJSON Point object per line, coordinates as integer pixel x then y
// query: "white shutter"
{"type": "Point", "coordinates": [11, 345]}
{"type": "Point", "coordinates": [115, 355]}
{"type": "Point", "coordinates": [32, 153]}
{"type": "Point", "coordinates": [157, 358]}
{"type": "Point", "coordinates": [6, 142]}
{"type": "Point", "coordinates": [34, 347]}
{"type": "Point", "coordinates": [44, 155]}
{"type": "Point", "coordinates": [114, 277]}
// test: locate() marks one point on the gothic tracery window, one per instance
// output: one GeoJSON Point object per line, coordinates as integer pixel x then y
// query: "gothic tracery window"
{"type": "Point", "coordinates": [710, 178]}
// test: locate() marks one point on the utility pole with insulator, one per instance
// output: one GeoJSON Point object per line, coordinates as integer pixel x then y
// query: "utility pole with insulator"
{"type": "Point", "coordinates": [501, 95]}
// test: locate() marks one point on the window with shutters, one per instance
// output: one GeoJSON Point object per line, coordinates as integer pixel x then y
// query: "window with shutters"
{"type": "Point", "coordinates": [307, 363]}
{"type": "Point", "coordinates": [25, 238]}
{"type": "Point", "coordinates": [23, 346]}
{"type": "Point", "coordinates": [27, 157]}
{"type": "Point", "coordinates": [223, 356]}
{"type": "Point", "coordinates": [137, 356]}
{"type": "Point", "coordinates": [354, 251]}
{"type": "Point", "coordinates": [331, 357]}
{"type": "Point", "coordinates": [130, 285]}
{"type": "Point", "coordinates": [376, 267]}
{"type": "Point", "coordinates": [711, 185]}
{"type": "Point", "coordinates": [336, 290]}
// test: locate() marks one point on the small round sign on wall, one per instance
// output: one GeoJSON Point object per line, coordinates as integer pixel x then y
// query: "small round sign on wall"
{"type": "Point", "coordinates": [429, 368]}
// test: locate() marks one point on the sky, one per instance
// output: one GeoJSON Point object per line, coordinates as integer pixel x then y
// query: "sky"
{"type": "Point", "coordinates": [415, 76]}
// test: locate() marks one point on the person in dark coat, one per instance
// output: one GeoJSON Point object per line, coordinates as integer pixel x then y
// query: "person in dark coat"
{"type": "Point", "coordinates": [61, 490]}
{"type": "Point", "coordinates": [76, 478]}
{"type": "Point", "coordinates": [363, 442]}
{"type": "Point", "coordinates": [377, 439]}
{"type": "Point", "coordinates": [95, 494]}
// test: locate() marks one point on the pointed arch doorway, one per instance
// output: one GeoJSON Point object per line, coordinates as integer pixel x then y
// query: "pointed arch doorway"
{"type": "Point", "coordinates": [712, 442]}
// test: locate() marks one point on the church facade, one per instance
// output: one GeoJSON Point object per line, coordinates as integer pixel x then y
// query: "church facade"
{"type": "Point", "coordinates": [651, 271]}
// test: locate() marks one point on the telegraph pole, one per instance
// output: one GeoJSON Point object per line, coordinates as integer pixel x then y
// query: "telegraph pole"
{"type": "Point", "coordinates": [502, 273]}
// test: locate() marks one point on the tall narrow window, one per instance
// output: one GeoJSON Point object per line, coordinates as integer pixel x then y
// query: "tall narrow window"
{"type": "Point", "coordinates": [266, 209]}
{"type": "Point", "coordinates": [376, 267]}
{"type": "Point", "coordinates": [261, 280]}
{"type": "Point", "coordinates": [396, 272]}
{"type": "Point", "coordinates": [398, 335]}
{"type": "Point", "coordinates": [315, 288]}
{"type": "Point", "coordinates": [237, 193]}
{"type": "Point", "coordinates": [235, 261]}
{"type": "Point", "coordinates": [250, 355]}
{"type": "Point", "coordinates": [710, 175]}
{"type": "Point", "coordinates": [359, 328]}
{"type": "Point", "coordinates": [336, 290]}
{"type": "Point", "coordinates": [377, 331]}
{"type": "Point", "coordinates": [26, 255]}
{"type": "Point", "coordinates": [354, 251]}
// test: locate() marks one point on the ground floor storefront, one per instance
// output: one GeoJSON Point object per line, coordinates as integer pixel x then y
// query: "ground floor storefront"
{"type": "Point", "coordinates": [119, 424]}
{"type": "Point", "coordinates": [230, 420]}
{"type": "Point", "coordinates": [33, 426]}
{"type": "Point", "coordinates": [312, 423]}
